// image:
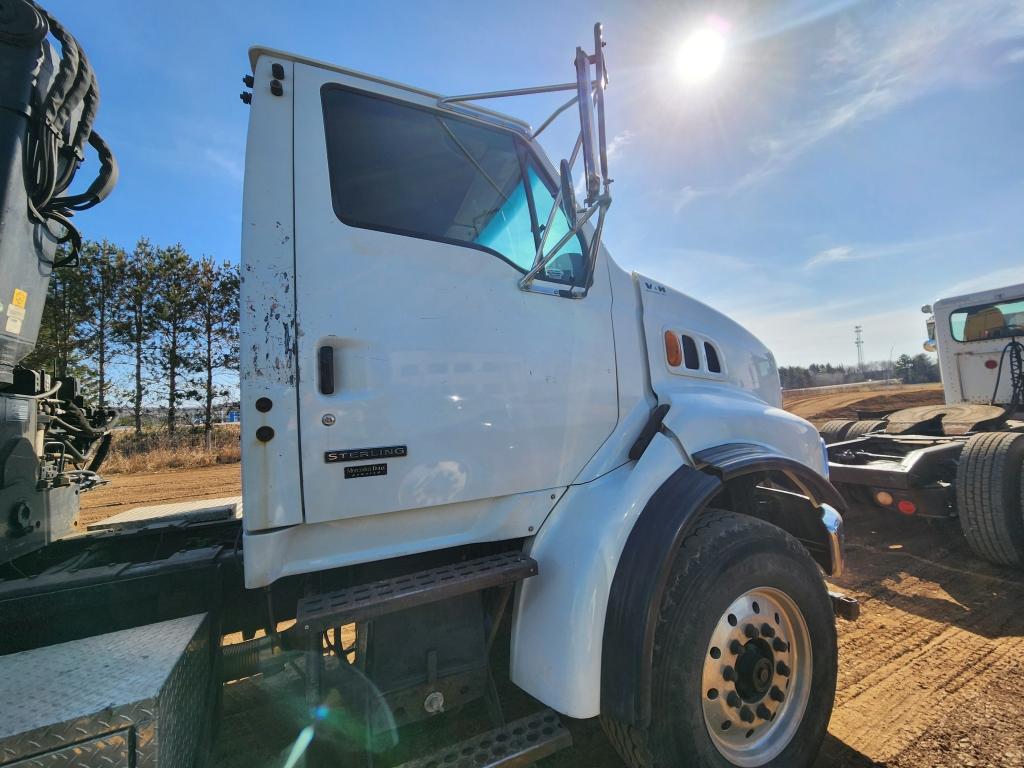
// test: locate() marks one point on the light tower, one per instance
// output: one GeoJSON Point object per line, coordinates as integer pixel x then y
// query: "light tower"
{"type": "Point", "coordinates": [859, 341]}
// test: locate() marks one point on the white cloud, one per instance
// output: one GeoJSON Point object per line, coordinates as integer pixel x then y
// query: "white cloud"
{"type": "Point", "coordinates": [687, 195]}
{"type": "Point", "coordinates": [618, 142]}
{"type": "Point", "coordinates": [995, 279]}
{"type": "Point", "coordinates": [864, 252]}
{"type": "Point", "coordinates": [228, 163]}
{"type": "Point", "coordinates": [832, 255]}
{"type": "Point", "coordinates": [905, 53]}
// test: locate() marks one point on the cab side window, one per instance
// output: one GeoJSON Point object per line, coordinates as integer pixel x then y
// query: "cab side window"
{"type": "Point", "coordinates": [418, 172]}
{"type": "Point", "coordinates": [1001, 320]}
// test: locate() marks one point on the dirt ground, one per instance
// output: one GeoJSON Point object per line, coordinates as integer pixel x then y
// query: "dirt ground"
{"type": "Point", "coordinates": [125, 492]}
{"type": "Point", "coordinates": [930, 676]}
{"type": "Point", "coordinates": [819, 408]}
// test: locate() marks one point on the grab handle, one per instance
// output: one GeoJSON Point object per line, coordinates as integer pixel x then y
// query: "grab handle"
{"type": "Point", "coordinates": [325, 368]}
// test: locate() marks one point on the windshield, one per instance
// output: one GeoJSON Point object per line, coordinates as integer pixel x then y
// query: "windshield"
{"type": "Point", "coordinates": [997, 320]}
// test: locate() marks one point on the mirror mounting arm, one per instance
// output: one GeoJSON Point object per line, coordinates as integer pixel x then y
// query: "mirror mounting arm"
{"type": "Point", "coordinates": [600, 206]}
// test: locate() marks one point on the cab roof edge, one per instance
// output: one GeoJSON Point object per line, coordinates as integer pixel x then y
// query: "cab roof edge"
{"type": "Point", "coordinates": [256, 51]}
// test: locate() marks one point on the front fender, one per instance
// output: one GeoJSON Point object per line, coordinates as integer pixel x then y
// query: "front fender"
{"type": "Point", "coordinates": [704, 416]}
{"type": "Point", "coordinates": [559, 621]}
{"type": "Point", "coordinates": [559, 629]}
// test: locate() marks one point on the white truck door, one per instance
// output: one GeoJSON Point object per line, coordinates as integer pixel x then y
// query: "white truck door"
{"type": "Point", "coordinates": [427, 377]}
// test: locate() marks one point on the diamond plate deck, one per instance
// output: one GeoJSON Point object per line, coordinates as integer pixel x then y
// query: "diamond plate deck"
{"type": "Point", "coordinates": [517, 745]}
{"type": "Point", "coordinates": [377, 598]}
{"type": "Point", "coordinates": [67, 702]}
{"type": "Point", "coordinates": [199, 511]}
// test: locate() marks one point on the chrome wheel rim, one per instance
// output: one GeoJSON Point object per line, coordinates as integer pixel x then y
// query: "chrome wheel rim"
{"type": "Point", "coordinates": [757, 677]}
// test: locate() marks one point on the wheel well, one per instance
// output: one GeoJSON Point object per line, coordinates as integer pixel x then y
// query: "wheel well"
{"type": "Point", "coordinates": [774, 497]}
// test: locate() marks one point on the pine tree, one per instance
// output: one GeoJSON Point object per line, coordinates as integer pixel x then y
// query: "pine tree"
{"type": "Point", "coordinates": [56, 349]}
{"type": "Point", "coordinates": [134, 323]}
{"type": "Point", "coordinates": [216, 342]}
{"type": "Point", "coordinates": [174, 314]}
{"type": "Point", "coordinates": [904, 368]}
{"type": "Point", "coordinates": [102, 265]}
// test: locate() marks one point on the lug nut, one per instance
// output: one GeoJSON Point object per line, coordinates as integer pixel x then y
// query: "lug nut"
{"type": "Point", "coordinates": [746, 715]}
{"type": "Point", "coordinates": [728, 673]}
{"type": "Point", "coordinates": [767, 630]}
{"type": "Point", "coordinates": [735, 647]}
{"type": "Point", "coordinates": [777, 694]}
{"type": "Point", "coordinates": [780, 645]}
{"type": "Point", "coordinates": [733, 699]}
{"type": "Point", "coordinates": [750, 631]}
{"type": "Point", "coordinates": [782, 668]}
{"type": "Point", "coordinates": [763, 712]}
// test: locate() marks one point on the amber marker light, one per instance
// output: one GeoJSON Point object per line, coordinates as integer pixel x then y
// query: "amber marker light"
{"type": "Point", "coordinates": [673, 351]}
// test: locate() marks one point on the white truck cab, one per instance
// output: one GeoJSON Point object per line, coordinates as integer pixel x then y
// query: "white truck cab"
{"type": "Point", "coordinates": [437, 353]}
{"type": "Point", "coordinates": [464, 429]}
{"type": "Point", "coordinates": [970, 333]}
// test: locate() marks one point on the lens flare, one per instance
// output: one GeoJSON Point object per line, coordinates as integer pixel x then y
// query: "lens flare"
{"type": "Point", "coordinates": [701, 55]}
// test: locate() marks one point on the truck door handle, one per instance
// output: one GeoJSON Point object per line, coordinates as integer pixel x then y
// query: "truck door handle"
{"type": "Point", "coordinates": [325, 368]}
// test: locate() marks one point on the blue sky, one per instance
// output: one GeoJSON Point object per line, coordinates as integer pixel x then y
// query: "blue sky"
{"type": "Point", "coordinates": [848, 163]}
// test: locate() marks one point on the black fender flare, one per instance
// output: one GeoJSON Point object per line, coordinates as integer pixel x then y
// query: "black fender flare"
{"type": "Point", "coordinates": [732, 460]}
{"type": "Point", "coordinates": [627, 654]}
{"type": "Point", "coordinates": [642, 573]}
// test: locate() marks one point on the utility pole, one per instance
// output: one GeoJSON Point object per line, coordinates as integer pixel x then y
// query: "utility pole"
{"type": "Point", "coordinates": [859, 341]}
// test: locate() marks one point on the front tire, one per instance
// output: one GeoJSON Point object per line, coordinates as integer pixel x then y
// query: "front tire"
{"type": "Point", "coordinates": [746, 636]}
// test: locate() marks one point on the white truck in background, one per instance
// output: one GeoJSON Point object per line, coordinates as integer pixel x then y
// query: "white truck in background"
{"type": "Point", "coordinates": [965, 458]}
{"type": "Point", "coordinates": [464, 425]}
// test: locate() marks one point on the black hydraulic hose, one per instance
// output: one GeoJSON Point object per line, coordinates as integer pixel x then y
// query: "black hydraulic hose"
{"type": "Point", "coordinates": [53, 153]}
{"type": "Point", "coordinates": [1015, 351]}
{"type": "Point", "coordinates": [66, 75]}
{"type": "Point", "coordinates": [102, 185]}
{"type": "Point", "coordinates": [85, 123]}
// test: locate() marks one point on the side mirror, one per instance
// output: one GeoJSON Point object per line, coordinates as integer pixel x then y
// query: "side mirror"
{"type": "Point", "coordinates": [568, 194]}
{"type": "Point", "coordinates": [927, 309]}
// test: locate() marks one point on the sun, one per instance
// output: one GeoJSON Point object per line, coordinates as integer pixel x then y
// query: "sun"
{"type": "Point", "coordinates": [701, 55]}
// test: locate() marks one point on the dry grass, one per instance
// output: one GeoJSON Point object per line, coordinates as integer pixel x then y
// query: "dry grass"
{"type": "Point", "coordinates": [156, 449]}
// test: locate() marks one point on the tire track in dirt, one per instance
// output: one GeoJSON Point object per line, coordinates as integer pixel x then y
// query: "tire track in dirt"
{"type": "Point", "coordinates": [902, 699]}
{"type": "Point", "coordinates": [938, 629]}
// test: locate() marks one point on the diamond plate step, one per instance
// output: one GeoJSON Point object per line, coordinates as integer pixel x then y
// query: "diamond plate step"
{"type": "Point", "coordinates": [367, 601]}
{"type": "Point", "coordinates": [516, 745]}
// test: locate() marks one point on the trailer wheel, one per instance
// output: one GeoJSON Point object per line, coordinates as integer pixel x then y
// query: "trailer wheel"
{"type": "Point", "coordinates": [861, 428]}
{"type": "Point", "coordinates": [744, 657]}
{"type": "Point", "coordinates": [835, 431]}
{"type": "Point", "coordinates": [989, 496]}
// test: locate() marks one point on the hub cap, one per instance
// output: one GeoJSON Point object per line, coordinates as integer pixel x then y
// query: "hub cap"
{"type": "Point", "coordinates": [756, 678]}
